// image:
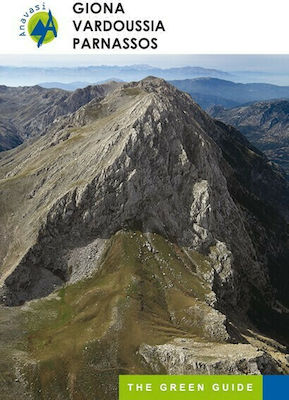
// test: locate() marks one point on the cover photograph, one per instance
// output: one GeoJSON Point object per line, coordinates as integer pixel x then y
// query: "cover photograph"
{"type": "Point", "coordinates": [144, 200]}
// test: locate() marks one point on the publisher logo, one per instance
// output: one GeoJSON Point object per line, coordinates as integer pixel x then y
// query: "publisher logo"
{"type": "Point", "coordinates": [39, 24]}
{"type": "Point", "coordinates": [42, 27]}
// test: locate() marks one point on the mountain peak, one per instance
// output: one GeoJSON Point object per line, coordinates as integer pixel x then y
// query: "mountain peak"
{"type": "Point", "coordinates": [151, 84]}
{"type": "Point", "coordinates": [145, 130]}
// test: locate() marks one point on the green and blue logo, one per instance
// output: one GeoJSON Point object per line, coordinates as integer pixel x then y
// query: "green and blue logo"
{"type": "Point", "coordinates": [39, 24]}
{"type": "Point", "coordinates": [43, 27]}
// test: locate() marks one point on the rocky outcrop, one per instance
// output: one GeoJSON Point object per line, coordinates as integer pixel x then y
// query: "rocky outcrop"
{"type": "Point", "coordinates": [188, 357]}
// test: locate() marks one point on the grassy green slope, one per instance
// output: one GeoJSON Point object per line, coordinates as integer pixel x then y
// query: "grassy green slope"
{"type": "Point", "coordinates": [83, 336]}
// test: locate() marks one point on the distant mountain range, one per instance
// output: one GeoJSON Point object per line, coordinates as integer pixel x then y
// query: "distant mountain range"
{"type": "Point", "coordinates": [65, 86]}
{"type": "Point", "coordinates": [14, 76]}
{"type": "Point", "coordinates": [266, 125]}
{"type": "Point", "coordinates": [206, 91]}
{"type": "Point", "coordinates": [75, 85]}
{"type": "Point", "coordinates": [211, 91]}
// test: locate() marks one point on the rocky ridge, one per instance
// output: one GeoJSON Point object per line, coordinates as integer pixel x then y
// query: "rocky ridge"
{"type": "Point", "coordinates": [26, 112]}
{"type": "Point", "coordinates": [185, 356]}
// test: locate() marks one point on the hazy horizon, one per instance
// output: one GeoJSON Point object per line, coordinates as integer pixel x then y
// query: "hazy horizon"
{"type": "Point", "coordinates": [272, 69]}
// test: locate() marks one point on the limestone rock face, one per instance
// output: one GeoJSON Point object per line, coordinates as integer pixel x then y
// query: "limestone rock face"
{"type": "Point", "coordinates": [146, 156]}
{"type": "Point", "coordinates": [145, 207]}
{"type": "Point", "coordinates": [187, 357]}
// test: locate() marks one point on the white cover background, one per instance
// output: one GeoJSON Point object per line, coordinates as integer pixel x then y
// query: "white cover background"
{"type": "Point", "coordinates": [192, 27]}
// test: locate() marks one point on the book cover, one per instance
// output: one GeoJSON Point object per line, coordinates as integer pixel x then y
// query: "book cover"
{"type": "Point", "coordinates": [144, 200]}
